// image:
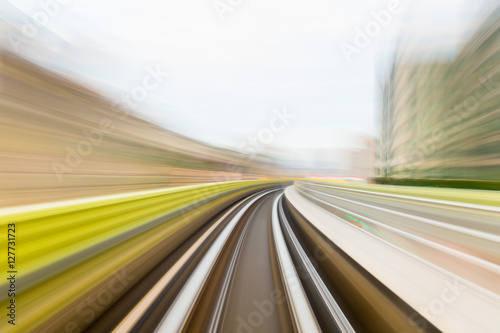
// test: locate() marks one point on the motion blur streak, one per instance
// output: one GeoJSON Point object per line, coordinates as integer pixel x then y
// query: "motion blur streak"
{"type": "Point", "coordinates": [75, 259]}
{"type": "Point", "coordinates": [114, 220]}
{"type": "Point", "coordinates": [60, 140]}
{"type": "Point", "coordinates": [440, 108]}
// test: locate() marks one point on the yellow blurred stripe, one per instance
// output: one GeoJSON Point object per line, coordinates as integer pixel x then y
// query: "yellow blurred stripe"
{"type": "Point", "coordinates": [51, 297]}
{"type": "Point", "coordinates": [48, 236]}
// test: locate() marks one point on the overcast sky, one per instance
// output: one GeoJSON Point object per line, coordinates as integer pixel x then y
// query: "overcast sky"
{"type": "Point", "coordinates": [230, 67]}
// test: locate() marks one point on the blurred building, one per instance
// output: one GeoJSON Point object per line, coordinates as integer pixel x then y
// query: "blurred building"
{"type": "Point", "coordinates": [61, 140]}
{"type": "Point", "coordinates": [441, 117]}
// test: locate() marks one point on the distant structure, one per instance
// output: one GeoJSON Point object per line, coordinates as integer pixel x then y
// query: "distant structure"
{"type": "Point", "coordinates": [440, 119]}
{"type": "Point", "coordinates": [362, 160]}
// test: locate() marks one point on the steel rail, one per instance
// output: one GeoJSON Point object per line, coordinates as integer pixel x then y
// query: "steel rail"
{"type": "Point", "coordinates": [177, 317]}
{"type": "Point", "coordinates": [327, 299]}
{"type": "Point", "coordinates": [301, 312]}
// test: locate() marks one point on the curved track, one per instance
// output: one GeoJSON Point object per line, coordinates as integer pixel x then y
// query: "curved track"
{"type": "Point", "coordinates": [256, 268]}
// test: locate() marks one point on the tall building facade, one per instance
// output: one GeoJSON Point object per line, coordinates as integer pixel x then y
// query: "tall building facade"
{"type": "Point", "coordinates": [441, 118]}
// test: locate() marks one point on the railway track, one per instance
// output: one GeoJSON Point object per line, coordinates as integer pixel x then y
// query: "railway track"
{"type": "Point", "coordinates": [259, 266]}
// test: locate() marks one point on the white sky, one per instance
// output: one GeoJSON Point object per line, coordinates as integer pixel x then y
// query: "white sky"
{"type": "Point", "coordinates": [227, 76]}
